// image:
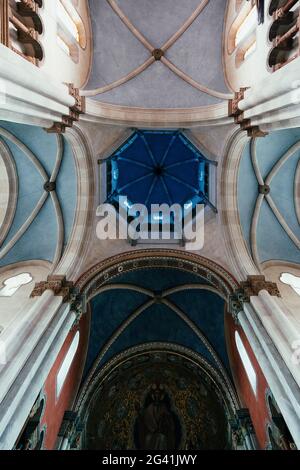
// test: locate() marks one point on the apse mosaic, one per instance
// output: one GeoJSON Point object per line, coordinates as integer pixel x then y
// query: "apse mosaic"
{"type": "Point", "coordinates": [158, 167]}
{"type": "Point", "coordinates": [157, 401]}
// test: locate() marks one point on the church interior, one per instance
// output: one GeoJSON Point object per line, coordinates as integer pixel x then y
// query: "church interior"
{"type": "Point", "coordinates": [150, 342]}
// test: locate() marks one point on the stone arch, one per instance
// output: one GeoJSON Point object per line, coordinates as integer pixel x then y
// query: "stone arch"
{"type": "Point", "coordinates": [195, 362]}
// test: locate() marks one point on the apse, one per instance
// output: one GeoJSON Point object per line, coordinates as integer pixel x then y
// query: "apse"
{"type": "Point", "coordinates": [157, 398]}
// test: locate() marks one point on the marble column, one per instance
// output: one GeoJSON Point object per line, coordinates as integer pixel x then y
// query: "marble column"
{"type": "Point", "coordinates": [29, 95]}
{"type": "Point", "coordinates": [31, 353]}
{"type": "Point", "coordinates": [281, 382]}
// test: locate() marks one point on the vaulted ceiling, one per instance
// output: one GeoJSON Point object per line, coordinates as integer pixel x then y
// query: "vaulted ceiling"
{"type": "Point", "coordinates": [41, 218]}
{"type": "Point", "coordinates": [156, 167]}
{"type": "Point", "coordinates": [190, 35]}
{"type": "Point", "coordinates": [268, 196]}
{"type": "Point", "coordinates": [191, 315]}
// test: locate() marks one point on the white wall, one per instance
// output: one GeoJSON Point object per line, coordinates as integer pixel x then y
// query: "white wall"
{"type": "Point", "coordinates": [56, 62]}
{"type": "Point", "coordinates": [12, 308]}
{"type": "Point", "coordinates": [255, 67]}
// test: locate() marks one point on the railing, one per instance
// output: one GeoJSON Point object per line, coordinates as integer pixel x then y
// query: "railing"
{"type": "Point", "coordinates": [285, 34]}
{"type": "Point", "coordinates": [20, 28]}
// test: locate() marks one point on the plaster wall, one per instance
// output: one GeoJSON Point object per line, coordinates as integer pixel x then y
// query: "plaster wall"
{"type": "Point", "coordinates": [12, 308]}
{"type": "Point", "coordinates": [56, 61]}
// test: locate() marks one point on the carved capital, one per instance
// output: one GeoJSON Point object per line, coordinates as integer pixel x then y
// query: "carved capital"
{"type": "Point", "coordinates": [234, 103]}
{"type": "Point", "coordinates": [74, 112]}
{"type": "Point", "coordinates": [235, 305]}
{"type": "Point", "coordinates": [255, 131]}
{"type": "Point", "coordinates": [29, 4]}
{"type": "Point", "coordinates": [58, 284]}
{"type": "Point", "coordinates": [78, 305]}
{"type": "Point", "coordinates": [255, 284]}
{"type": "Point", "coordinates": [249, 288]}
{"type": "Point", "coordinates": [57, 128]}
{"type": "Point", "coordinates": [238, 115]}
{"type": "Point", "coordinates": [79, 106]}
{"type": "Point", "coordinates": [279, 13]}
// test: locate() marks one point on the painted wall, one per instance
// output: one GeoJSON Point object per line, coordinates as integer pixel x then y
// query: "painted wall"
{"type": "Point", "coordinates": [55, 408]}
{"type": "Point", "coordinates": [257, 405]}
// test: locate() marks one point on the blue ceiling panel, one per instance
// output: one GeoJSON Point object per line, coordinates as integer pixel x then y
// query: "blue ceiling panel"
{"type": "Point", "coordinates": [158, 167]}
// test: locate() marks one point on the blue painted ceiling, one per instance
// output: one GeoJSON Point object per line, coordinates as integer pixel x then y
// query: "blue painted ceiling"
{"type": "Point", "coordinates": [158, 322]}
{"type": "Point", "coordinates": [273, 243]}
{"type": "Point", "coordinates": [156, 167]}
{"type": "Point", "coordinates": [39, 241]}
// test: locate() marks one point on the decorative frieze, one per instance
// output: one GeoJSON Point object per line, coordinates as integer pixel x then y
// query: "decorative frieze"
{"type": "Point", "coordinates": [235, 304]}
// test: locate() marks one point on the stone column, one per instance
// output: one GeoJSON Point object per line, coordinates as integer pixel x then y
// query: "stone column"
{"type": "Point", "coordinates": [32, 350]}
{"type": "Point", "coordinates": [28, 95]}
{"type": "Point", "coordinates": [270, 104]}
{"type": "Point", "coordinates": [271, 330]}
{"type": "Point", "coordinates": [284, 388]}
{"type": "Point", "coordinates": [275, 85]}
{"type": "Point", "coordinates": [29, 372]}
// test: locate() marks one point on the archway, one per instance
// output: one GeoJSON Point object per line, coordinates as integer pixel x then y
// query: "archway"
{"type": "Point", "coordinates": [148, 299]}
{"type": "Point", "coordinates": [157, 396]}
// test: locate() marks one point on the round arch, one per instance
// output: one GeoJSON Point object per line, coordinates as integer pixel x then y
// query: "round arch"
{"type": "Point", "coordinates": [215, 276]}
{"type": "Point", "coordinates": [242, 263]}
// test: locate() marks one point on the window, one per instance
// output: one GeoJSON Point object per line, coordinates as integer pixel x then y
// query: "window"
{"type": "Point", "coordinates": [292, 281]}
{"type": "Point", "coordinates": [247, 27]}
{"type": "Point", "coordinates": [70, 29]}
{"type": "Point", "coordinates": [251, 49]}
{"type": "Point", "coordinates": [249, 369]}
{"type": "Point", "coordinates": [242, 34]}
{"type": "Point", "coordinates": [66, 364]}
{"type": "Point", "coordinates": [63, 45]}
{"type": "Point", "coordinates": [12, 284]}
{"type": "Point", "coordinates": [66, 20]}
{"type": "Point", "coordinates": [284, 33]}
